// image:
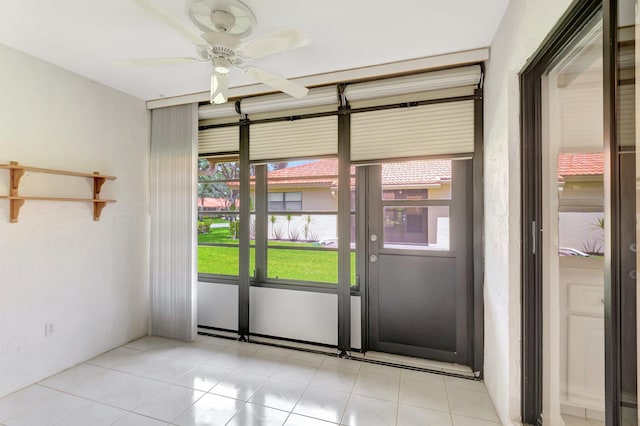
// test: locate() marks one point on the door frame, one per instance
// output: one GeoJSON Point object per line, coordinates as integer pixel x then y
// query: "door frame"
{"type": "Point", "coordinates": [572, 22]}
{"type": "Point", "coordinates": [476, 244]}
{"type": "Point", "coordinates": [460, 251]}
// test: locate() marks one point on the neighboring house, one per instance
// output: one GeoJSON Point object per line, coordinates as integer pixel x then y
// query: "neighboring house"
{"type": "Point", "coordinates": [207, 204]}
{"type": "Point", "coordinates": [581, 201]}
{"type": "Point", "coordinates": [311, 188]}
{"type": "Point", "coordinates": [317, 183]}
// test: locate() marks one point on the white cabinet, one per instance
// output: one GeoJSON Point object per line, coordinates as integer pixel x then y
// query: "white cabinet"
{"type": "Point", "coordinates": [582, 334]}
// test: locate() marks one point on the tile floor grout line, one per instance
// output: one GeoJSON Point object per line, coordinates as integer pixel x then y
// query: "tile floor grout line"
{"type": "Point", "coordinates": [273, 362]}
{"type": "Point", "coordinates": [446, 392]}
{"type": "Point", "coordinates": [32, 407]}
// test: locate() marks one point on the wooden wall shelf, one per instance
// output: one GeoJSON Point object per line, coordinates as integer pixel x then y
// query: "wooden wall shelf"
{"type": "Point", "coordinates": [16, 201]}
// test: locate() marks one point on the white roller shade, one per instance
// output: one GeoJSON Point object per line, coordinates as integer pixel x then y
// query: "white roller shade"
{"type": "Point", "coordinates": [462, 80]}
{"type": "Point", "coordinates": [280, 105]}
{"type": "Point", "coordinates": [219, 140]}
{"type": "Point", "coordinates": [436, 129]}
{"type": "Point", "coordinates": [627, 115]}
{"type": "Point", "coordinates": [224, 111]}
{"type": "Point", "coordinates": [294, 139]}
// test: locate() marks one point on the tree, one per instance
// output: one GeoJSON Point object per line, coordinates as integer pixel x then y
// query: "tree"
{"type": "Point", "coordinates": [279, 166]}
{"type": "Point", "coordinates": [210, 171]}
{"type": "Point", "coordinates": [204, 190]}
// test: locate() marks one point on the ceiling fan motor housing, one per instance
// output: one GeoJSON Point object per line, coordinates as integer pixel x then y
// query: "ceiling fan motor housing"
{"type": "Point", "coordinates": [223, 16]}
{"type": "Point", "coordinates": [222, 20]}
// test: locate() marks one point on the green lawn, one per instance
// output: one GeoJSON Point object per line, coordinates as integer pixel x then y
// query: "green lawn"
{"type": "Point", "coordinates": [302, 265]}
{"type": "Point", "coordinates": [217, 235]}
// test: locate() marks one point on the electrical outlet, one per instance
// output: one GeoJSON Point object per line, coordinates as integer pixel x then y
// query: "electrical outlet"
{"type": "Point", "coordinates": [49, 328]}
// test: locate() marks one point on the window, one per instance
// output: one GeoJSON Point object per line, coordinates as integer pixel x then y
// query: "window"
{"type": "Point", "coordinates": [415, 202]}
{"type": "Point", "coordinates": [301, 220]}
{"type": "Point", "coordinates": [302, 235]}
{"type": "Point", "coordinates": [218, 215]}
{"type": "Point", "coordinates": [285, 201]}
{"type": "Point", "coordinates": [294, 194]}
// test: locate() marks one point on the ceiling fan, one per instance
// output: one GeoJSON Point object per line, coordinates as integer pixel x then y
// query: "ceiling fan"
{"type": "Point", "coordinates": [225, 25]}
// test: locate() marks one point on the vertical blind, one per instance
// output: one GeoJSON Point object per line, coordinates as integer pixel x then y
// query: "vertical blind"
{"type": "Point", "coordinates": [173, 215]}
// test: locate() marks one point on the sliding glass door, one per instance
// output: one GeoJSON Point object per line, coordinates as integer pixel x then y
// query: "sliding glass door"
{"type": "Point", "coordinates": [580, 214]}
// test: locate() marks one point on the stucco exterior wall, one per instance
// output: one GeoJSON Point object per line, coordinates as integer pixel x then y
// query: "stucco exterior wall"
{"type": "Point", "coordinates": [521, 31]}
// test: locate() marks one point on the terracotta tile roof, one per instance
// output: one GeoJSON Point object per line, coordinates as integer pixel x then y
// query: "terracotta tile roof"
{"type": "Point", "coordinates": [416, 172]}
{"type": "Point", "coordinates": [393, 174]}
{"type": "Point", "coordinates": [581, 164]}
{"type": "Point", "coordinates": [218, 203]}
{"type": "Point", "coordinates": [324, 167]}
{"type": "Point", "coordinates": [323, 170]}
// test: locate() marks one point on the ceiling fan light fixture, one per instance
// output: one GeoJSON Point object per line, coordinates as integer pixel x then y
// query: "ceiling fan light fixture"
{"type": "Point", "coordinates": [221, 65]}
{"type": "Point", "coordinates": [219, 88]}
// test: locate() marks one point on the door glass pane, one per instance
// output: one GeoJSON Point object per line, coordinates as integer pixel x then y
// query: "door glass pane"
{"type": "Point", "coordinates": [626, 115]}
{"type": "Point", "coordinates": [416, 228]}
{"type": "Point", "coordinates": [417, 180]}
{"type": "Point", "coordinates": [573, 238]}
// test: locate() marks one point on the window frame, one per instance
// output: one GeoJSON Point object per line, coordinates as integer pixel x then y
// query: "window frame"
{"type": "Point", "coordinates": [260, 278]}
{"type": "Point", "coordinates": [228, 212]}
{"type": "Point", "coordinates": [344, 117]}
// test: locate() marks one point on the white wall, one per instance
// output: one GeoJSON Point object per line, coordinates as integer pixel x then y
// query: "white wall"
{"type": "Point", "coordinates": [89, 278]}
{"type": "Point", "coordinates": [294, 314]}
{"type": "Point", "coordinates": [218, 305]}
{"type": "Point", "coordinates": [272, 310]}
{"type": "Point", "coordinates": [521, 32]}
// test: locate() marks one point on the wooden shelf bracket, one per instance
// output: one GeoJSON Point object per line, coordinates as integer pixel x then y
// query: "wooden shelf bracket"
{"type": "Point", "coordinates": [14, 209]}
{"type": "Point", "coordinates": [15, 174]}
{"type": "Point", "coordinates": [97, 209]}
{"type": "Point", "coordinates": [98, 181]}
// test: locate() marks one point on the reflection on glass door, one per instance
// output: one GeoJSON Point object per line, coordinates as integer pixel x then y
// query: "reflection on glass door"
{"type": "Point", "coordinates": [573, 243]}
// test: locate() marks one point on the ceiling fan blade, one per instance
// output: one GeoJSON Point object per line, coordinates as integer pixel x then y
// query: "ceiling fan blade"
{"type": "Point", "coordinates": [157, 61]}
{"type": "Point", "coordinates": [277, 82]}
{"type": "Point", "coordinates": [219, 87]}
{"type": "Point", "coordinates": [170, 20]}
{"type": "Point", "coordinates": [278, 41]}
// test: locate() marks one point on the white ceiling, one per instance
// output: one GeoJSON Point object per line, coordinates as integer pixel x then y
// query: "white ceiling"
{"type": "Point", "coordinates": [86, 36]}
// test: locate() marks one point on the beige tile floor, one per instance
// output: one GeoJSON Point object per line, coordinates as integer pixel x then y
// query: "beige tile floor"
{"type": "Point", "coordinates": [156, 381]}
{"type": "Point", "coordinates": [581, 421]}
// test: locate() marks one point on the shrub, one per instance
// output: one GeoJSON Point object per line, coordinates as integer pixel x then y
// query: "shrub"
{"type": "Point", "coordinates": [314, 236]}
{"type": "Point", "coordinates": [277, 233]}
{"type": "Point", "coordinates": [593, 248]}
{"type": "Point", "coordinates": [307, 227]}
{"type": "Point", "coordinates": [294, 234]}
{"type": "Point", "coordinates": [202, 227]}
{"type": "Point", "coordinates": [234, 229]}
